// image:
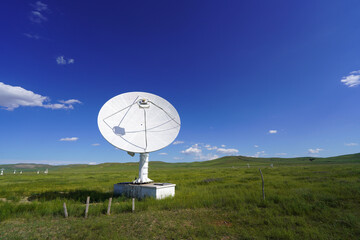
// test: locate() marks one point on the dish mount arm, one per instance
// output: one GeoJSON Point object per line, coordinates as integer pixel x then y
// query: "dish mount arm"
{"type": "Point", "coordinates": [143, 169]}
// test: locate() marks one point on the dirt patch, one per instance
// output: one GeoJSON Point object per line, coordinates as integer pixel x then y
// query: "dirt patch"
{"type": "Point", "coordinates": [24, 200]}
{"type": "Point", "coordinates": [223, 223]}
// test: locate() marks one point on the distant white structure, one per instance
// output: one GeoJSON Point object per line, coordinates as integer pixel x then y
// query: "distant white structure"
{"type": "Point", "coordinates": [38, 172]}
{"type": "Point", "coordinates": [272, 165]}
{"type": "Point", "coordinates": [46, 171]}
{"type": "Point", "coordinates": [248, 165]}
{"type": "Point", "coordinates": [2, 173]}
{"type": "Point", "coordinates": [20, 172]}
{"type": "Point", "coordinates": [14, 171]}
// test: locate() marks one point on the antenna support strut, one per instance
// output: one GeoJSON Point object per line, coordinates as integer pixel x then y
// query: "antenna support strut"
{"type": "Point", "coordinates": [143, 169]}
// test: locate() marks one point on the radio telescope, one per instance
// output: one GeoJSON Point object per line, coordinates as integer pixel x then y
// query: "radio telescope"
{"type": "Point", "coordinates": [139, 122]}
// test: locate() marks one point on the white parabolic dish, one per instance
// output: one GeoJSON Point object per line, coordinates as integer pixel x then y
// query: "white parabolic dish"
{"type": "Point", "coordinates": [139, 122]}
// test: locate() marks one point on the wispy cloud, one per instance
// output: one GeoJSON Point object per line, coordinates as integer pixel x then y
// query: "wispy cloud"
{"type": "Point", "coordinates": [178, 142]}
{"type": "Point", "coordinates": [209, 156]}
{"type": "Point", "coordinates": [58, 106]}
{"type": "Point", "coordinates": [178, 158]}
{"type": "Point", "coordinates": [69, 139]}
{"type": "Point", "coordinates": [256, 146]}
{"type": "Point", "coordinates": [230, 151]}
{"type": "Point", "coordinates": [315, 151]}
{"type": "Point", "coordinates": [163, 153]}
{"type": "Point", "coordinates": [281, 154]}
{"type": "Point", "coordinates": [352, 80]}
{"type": "Point", "coordinates": [95, 144]}
{"type": "Point", "coordinates": [351, 144]}
{"type": "Point", "coordinates": [223, 145]}
{"type": "Point", "coordinates": [209, 147]}
{"type": "Point", "coordinates": [12, 97]}
{"type": "Point", "coordinates": [70, 101]}
{"type": "Point", "coordinates": [33, 36]}
{"type": "Point", "coordinates": [272, 131]}
{"type": "Point", "coordinates": [61, 60]}
{"type": "Point", "coordinates": [36, 15]}
{"type": "Point", "coordinates": [39, 6]}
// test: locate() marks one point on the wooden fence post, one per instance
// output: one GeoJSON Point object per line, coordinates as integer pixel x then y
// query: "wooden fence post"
{"type": "Point", "coordinates": [87, 206]}
{"type": "Point", "coordinates": [65, 210]}
{"type": "Point", "coordinates": [133, 204]}
{"type": "Point", "coordinates": [109, 206]}
{"type": "Point", "coordinates": [262, 178]}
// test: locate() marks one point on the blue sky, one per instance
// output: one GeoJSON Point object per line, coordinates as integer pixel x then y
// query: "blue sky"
{"type": "Point", "coordinates": [254, 78]}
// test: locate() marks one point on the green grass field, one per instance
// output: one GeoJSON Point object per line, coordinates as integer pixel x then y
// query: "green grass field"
{"type": "Point", "coordinates": [219, 199]}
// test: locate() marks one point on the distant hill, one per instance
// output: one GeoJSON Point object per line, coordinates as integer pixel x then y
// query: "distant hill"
{"type": "Point", "coordinates": [349, 158]}
{"type": "Point", "coordinates": [220, 162]}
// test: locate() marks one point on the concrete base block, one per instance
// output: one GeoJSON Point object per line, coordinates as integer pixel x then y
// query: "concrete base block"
{"type": "Point", "coordinates": [155, 190]}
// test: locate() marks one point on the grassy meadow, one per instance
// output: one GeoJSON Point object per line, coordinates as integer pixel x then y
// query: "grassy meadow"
{"type": "Point", "coordinates": [218, 199]}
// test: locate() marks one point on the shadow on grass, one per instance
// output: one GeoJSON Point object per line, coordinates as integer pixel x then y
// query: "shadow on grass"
{"type": "Point", "coordinates": [76, 195]}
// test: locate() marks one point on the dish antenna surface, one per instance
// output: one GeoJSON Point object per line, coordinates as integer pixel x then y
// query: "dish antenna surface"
{"type": "Point", "coordinates": [139, 122]}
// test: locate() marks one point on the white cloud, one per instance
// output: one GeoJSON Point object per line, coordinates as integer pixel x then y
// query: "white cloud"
{"type": "Point", "coordinates": [256, 146]}
{"type": "Point", "coordinates": [316, 150]}
{"type": "Point", "coordinates": [192, 150]}
{"type": "Point", "coordinates": [95, 144]}
{"type": "Point", "coordinates": [259, 154]}
{"type": "Point", "coordinates": [12, 97]}
{"type": "Point", "coordinates": [69, 139]}
{"type": "Point", "coordinates": [223, 146]}
{"type": "Point", "coordinates": [281, 154]}
{"type": "Point", "coordinates": [196, 151]}
{"type": "Point", "coordinates": [163, 153]}
{"type": "Point", "coordinates": [178, 158]}
{"type": "Point", "coordinates": [227, 151]}
{"type": "Point", "coordinates": [33, 36]}
{"type": "Point", "coordinates": [351, 144]}
{"type": "Point", "coordinates": [92, 163]}
{"type": "Point", "coordinates": [352, 80]}
{"type": "Point", "coordinates": [61, 60]}
{"type": "Point", "coordinates": [272, 131]}
{"type": "Point", "coordinates": [178, 142]}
